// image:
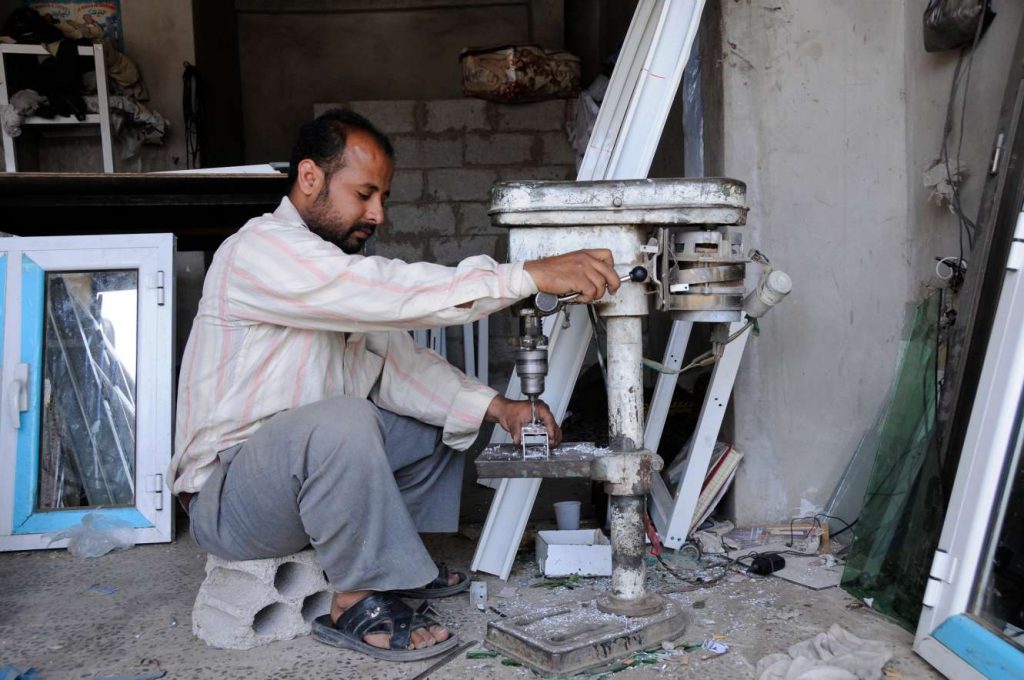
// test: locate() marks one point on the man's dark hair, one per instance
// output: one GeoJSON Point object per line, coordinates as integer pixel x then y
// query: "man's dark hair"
{"type": "Point", "coordinates": [322, 140]}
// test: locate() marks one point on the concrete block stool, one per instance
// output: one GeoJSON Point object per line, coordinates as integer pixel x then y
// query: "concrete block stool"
{"type": "Point", "coordinates": [244, 604]}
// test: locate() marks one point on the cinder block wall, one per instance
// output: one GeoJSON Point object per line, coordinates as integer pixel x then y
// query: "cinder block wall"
{"type": "Point", "coordinates": [448, 153]}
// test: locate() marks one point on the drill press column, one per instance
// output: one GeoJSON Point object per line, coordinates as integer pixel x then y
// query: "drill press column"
{"type": "Point", "coordinates": [626, 435]}
{"type": "Point", "coordinates": [627, 472]}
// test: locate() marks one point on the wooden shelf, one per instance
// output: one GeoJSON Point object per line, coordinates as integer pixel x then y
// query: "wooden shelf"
{"type": "Point", "coordinates": [90, 119]}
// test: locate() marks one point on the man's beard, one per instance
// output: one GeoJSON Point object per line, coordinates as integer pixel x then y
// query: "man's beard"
{"type": "Point", "coordinates": [320, 222]}
{"type": "Point", "coordinates": [346, 240]}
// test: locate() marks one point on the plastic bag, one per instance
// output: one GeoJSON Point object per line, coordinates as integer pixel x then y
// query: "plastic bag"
{"type": "Point", "coordinates": [950, 24]}
{"type": "Point", "coordinates": [97, 535]}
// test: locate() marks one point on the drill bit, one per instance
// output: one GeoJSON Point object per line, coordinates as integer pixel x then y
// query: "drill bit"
{"type": "Point", "coordinates": [533, 410]}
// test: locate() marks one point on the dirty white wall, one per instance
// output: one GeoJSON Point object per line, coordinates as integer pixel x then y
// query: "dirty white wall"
{"type": "Point", "coordinates": [158, 35]}
{"type": "Point", "coordinates": [833, 110]}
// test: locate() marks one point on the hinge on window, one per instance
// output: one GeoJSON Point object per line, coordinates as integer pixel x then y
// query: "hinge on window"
{"type": "Point", "coordinates": [160, 287]}
{"type": "Point", "coordinates": [155, 486]}
{"type": "Point", "coordinates": [942, 572]}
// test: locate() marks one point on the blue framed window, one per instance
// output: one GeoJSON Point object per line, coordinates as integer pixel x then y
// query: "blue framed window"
{"type": "Point", "coordinates": [82, 451]}
{"type": "Point", "coordinates": [85, 404]}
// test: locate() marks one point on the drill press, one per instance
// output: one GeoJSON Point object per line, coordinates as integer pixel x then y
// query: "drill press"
{"type": "Point", "coordinates": [683, 231]}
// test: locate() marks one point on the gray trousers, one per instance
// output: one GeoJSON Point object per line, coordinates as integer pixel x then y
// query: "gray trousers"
{"type": "Point", "coordinates": [355, 482]}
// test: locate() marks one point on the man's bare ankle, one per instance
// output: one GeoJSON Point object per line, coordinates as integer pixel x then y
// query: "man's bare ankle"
{"type": "Point", "coordinates": [342, 601]}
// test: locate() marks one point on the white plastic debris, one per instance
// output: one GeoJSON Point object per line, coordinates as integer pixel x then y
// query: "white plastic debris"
{"type": "Point", "coordinates": [97, 535]}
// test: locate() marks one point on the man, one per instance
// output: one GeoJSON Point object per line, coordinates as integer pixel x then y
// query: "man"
{"type": "Point", "coordinates": [306, 414]}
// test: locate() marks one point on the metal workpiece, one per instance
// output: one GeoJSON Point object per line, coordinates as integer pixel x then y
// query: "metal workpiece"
{"type": "Point", "coordinates": [534, 440]}
{"type": "Point", "coordinates": [682, 201]}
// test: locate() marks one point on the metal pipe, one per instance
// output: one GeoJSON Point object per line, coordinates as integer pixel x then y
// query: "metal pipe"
{"type": "Point", "coordinates": [626, 433]}
{"type": "Point", "coordinates": [625, 383]}
{"type": "Point", "coordinates": [627, 525]}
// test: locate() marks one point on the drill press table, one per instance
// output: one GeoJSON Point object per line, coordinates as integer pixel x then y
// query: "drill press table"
{"type": "Point", "coordinates": [571, 459]}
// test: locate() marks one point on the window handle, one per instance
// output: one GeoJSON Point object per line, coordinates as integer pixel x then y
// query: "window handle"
{"type": "Point", "coordinates": [17, 394]}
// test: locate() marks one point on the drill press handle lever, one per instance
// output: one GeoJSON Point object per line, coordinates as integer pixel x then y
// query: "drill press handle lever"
{"type": "Point", "coordinates": [549, 303]}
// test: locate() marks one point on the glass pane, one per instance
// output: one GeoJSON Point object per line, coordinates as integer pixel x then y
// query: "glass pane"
{"type": "Point", "coordinates": [898, 528]}
{"type": "Point", "coordinates": [87, 447]}
{"type": "Point", "coordinates": [1000, 598]}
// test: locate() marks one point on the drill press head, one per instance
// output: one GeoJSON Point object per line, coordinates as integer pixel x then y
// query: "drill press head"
{"type": "Point", "coordinates": [532, 367]}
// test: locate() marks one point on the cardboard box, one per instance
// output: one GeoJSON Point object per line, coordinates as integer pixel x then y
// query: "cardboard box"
{"type": "Point", "coordinates": [583, 551]}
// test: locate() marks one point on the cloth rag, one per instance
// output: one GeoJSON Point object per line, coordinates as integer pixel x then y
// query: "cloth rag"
{"type": "Point", "coordinates": [22, 104]}
{"type": "Point", "coordinates": [835, 655]}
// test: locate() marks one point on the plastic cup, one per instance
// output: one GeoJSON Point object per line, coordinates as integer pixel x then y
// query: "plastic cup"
{"type": "Point", "coordinates": [567, 514]}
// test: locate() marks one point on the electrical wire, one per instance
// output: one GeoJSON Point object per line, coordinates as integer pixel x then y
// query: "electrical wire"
{"type": "Point", "coordinates": [847, 526]}
{"type": "Point", "coordinates": [705, 359]}
{"type": "Point", "coordinates": [967, 227]}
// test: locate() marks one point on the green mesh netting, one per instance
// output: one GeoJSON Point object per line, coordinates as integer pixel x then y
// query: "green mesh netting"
{"type": "Point", "coordinates": [899, 526]}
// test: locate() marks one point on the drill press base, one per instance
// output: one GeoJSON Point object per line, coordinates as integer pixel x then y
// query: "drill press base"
{"type": "Point", "coordinates": [575, 637]}
{"type": "Point", "coordinates": [648, 605]}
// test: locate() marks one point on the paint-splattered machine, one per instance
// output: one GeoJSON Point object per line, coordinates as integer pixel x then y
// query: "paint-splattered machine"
{"type": "Point", "coordinates": [685, 234]}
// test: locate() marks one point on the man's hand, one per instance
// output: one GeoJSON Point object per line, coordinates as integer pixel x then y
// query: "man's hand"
{"type": "Point", "coordinates": [512, 415]}
{"type": "Point", "coordinates": [587, 272]}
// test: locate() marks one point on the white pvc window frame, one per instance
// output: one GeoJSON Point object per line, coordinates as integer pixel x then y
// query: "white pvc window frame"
{"type": "Point", "coordinates": [24, 261]}
{"type": "Point", "coordinates": [950, 634]}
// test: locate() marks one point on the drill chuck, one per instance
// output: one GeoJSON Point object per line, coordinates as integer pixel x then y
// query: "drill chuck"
{"type": "Point", "coordinates": [532, 367]}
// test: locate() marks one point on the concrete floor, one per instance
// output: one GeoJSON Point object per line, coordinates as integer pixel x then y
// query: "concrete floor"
{"type": "Point", "coordinates": [56, 615]}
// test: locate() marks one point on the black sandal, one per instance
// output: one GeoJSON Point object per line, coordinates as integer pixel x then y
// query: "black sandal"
{"type": "Point", "coordinates": [438, 587]}
{"type": "Point", "coordinates": [380, 613]}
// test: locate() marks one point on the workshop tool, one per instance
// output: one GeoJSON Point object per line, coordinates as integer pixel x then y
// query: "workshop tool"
{"type": "Point", "coordinates": [641, 91]}
{"type": "Point", "coordinates": [692, 222]}
{"type": "Point", "coordinates": [636, 220]}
